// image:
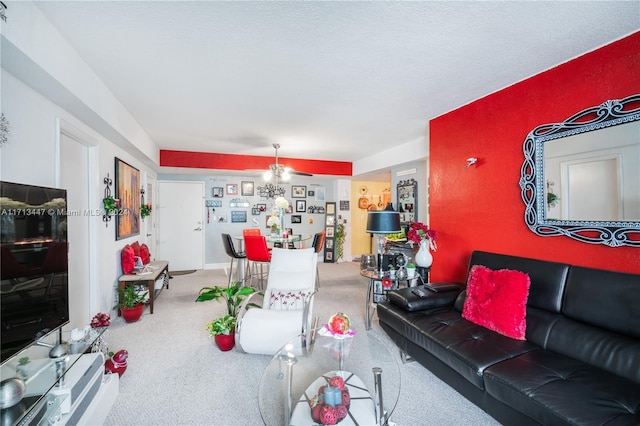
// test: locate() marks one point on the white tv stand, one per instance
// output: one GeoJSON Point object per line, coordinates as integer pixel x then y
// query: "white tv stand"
{"type": "Point", "coordinates": [84, 395]}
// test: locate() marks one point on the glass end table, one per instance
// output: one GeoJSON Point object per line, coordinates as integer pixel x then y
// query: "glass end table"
{"type": "Point", "coordinates": [292, 381]}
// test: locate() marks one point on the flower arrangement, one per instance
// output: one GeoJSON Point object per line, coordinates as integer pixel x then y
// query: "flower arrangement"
{"type": "Point", "coordinates": [419, 232]}
{"type": "Point", "coordinates": [100, 320]}
{"type": "Point", "coordinates": [145, 210]}
{"type": "Point", "coordinates": [281, 203]}
{"type": "Point", "coordinates": [273, 222]}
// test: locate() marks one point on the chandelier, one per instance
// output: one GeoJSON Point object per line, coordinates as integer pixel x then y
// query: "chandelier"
{"type": "Point", "coordinates": [278, 173]}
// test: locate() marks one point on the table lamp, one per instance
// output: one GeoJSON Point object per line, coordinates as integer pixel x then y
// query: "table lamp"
{"type": "Point", "coordinates": [381, 222]}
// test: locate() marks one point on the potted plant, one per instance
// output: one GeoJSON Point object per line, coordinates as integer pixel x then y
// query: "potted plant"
{"type": "Point", "coordinates": [131, 303]}
{"type": "Point", "coordinates": [222, 329]}
{"type": "Point", "coordinates": [411, 270]}
{"type": "Point", "coordinates": [233, 295]}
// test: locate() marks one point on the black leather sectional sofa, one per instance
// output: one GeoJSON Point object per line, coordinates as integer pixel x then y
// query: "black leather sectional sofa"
{"type": "Point", "coordinates": [579, 364]}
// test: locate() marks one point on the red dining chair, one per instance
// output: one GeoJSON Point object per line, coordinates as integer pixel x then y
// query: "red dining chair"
{"type": "Point", "coordinates": [250, 231]}
{"type": "Point", "coordinates": [258, 255]}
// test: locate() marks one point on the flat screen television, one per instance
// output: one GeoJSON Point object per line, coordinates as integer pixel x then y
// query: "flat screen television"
{"type": "Point", "coordinates": [34, 284]}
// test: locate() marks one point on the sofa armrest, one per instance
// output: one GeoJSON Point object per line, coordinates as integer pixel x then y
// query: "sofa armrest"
{"type": "Point", "coordinates": [406, 299]}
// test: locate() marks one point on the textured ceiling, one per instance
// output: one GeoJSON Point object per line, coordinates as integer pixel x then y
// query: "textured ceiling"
{"type": "Point", "coordinates": [326, 80]}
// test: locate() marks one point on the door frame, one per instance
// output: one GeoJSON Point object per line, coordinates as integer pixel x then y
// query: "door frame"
{"type": "Point", "coordinates": [159, 224]}
{"type": "Point", "coordinates": [66, 129]}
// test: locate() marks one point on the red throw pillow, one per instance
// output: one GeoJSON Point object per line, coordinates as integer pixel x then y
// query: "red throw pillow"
{"type": "Point", "coordinates": [136, 248]}
{"type": "Point", "coordinates": [127, 258]}
{"type": "Point", "coordinates": [497, 300]}
{"type": "Point", "coordinates": [144, 254]}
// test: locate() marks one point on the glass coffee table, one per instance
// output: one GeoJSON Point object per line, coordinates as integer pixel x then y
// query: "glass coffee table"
{"type": "Point", "coordinates": [292, 381]}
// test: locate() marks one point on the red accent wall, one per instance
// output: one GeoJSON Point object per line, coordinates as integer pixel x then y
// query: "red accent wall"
{"type": "Point", "coordinates": [209, 160]}
{"type": "Point", "coordinates": [481, 207]}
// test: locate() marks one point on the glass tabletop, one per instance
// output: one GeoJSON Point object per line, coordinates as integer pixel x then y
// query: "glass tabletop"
{"type": "Point", "coordinates": [297, 378]}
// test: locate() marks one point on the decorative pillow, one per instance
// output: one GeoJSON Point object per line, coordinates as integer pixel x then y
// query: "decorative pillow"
{"type": "Point", "coordinates": [136, 248]}
{"type": "Point", "coordinates": [144, 254]}
{"type": "Point", "coordinates": [128, 259]}
{"type": "Point", "coordinates": [497, 300]}
{"type": "Point", "coordinates": [287, 300]}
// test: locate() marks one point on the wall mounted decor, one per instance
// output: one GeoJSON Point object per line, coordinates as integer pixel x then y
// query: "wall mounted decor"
{"type": "Point", "coordinates": [238, 216]}
{"type": "Point", "coordinates": [109, 203]}
{"type": "Point", "coordinates": [301, 206]}
{"type": "Point", "coordinates": [217, 192]}
{"type": "Point", "coordinates": [232, 189]}
{"type": "Point", "coordinates": [408, 200]}
{"type": "Point", "coordinates": [246, 188]}
{"type": "Point", "coordinates": [298, 191]}
{"type": "Point", "coordinates": [608, 211]}
{"type": "Point", "coordinates": [296, 218]}
{"type": "Point", "coordinates": [127, 191]}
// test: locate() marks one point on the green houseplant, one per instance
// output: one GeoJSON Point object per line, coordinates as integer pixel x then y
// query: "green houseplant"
{"type": "Point", "coordinates": [131, 303]}
{"type": "Point", "coordinates": [338, 239]}
{"type": "Point", "coordinates": [222, 329]}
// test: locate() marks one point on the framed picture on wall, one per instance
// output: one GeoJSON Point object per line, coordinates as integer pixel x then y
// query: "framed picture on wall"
{"type": "Point", "coordinates": [301, 206]}
{"type": "Point", "coordinates": [329, 232]}
{"type": "Point", "coordinates": [298, 191]}
{"type": "Point", "coordinates": [246, 188]}
{"type": "Point", "coordinates": [296, 218]}
{"type": "Point", "coordinates": [217, 192]}
{"type": "Point", "coordinates": [128, 192]}
{"type": "Point", "coordinates": [262, 207]}
{"type": "Point", "coordinates": [232, 189]}
{"type": "Point", "coordinates": [238, 216]}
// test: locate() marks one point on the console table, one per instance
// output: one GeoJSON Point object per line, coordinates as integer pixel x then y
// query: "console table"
{"type": "Point", "coordinates": [156, 269]}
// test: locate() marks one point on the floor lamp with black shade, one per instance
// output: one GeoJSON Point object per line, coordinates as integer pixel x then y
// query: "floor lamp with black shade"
{"type": "Point", "coordinates": [381, 223]}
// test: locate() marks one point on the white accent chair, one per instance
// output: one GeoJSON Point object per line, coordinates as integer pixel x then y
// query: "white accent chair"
{"type": "Point", "coordinates": [287, 305]}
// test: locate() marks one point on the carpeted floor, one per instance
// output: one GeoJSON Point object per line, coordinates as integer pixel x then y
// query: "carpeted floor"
{"type": "Point", "coordinates": [177, 376]}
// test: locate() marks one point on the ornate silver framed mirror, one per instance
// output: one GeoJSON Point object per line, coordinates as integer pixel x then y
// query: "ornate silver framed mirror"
{"type": "Point", "coordinates": [581, 178]}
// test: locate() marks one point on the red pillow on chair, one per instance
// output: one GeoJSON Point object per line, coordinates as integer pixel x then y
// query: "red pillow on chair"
{"type": "Point", "coordinates": [144, 254]}
{"type": "Point", "coordinates": [136, 248]}
{"type": "Point", "coordinates": [127, 257]}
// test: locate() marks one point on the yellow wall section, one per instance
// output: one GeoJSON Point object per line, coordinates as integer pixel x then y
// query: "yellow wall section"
{"type": "Point", "coordinates": [377, 193]}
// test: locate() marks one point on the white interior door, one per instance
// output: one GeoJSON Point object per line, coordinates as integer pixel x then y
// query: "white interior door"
{"type": "Point", "coordinates": [591, 189]}
{"type": "Point", "coordinates": [180, 224]}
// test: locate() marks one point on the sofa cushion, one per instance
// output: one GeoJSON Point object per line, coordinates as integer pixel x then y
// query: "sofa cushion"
{"type": "Point", "coordinates": [136, 248]}
{"type": "Point", "coordinates": [127, 259]}
{"type": "Point", "coordinates": [145, 255]}
{"type": "Point", "coordinates": [466, 347]}
{"type": "Point", "coordinates": [558, 390]}
{"type": "Point", "coordinates": [408, 300]}
{"type": "Point", "coordinates": [547, 278]}
{"type": "Point", "coordinates": [287, 299]}
{"type": "Point", "coordinates": [605, 299]}
{"type": "Point", "coordinates": [497, 300]}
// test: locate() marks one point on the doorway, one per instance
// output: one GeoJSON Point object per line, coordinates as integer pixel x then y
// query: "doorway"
{"type": "Point", "coordinates": [180, 236]}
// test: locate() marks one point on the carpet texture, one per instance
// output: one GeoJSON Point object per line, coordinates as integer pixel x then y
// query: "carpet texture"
{"type": "Point", "coordinates": [177, 376]}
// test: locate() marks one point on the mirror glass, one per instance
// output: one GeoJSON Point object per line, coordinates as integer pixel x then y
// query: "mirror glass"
{"type": "Point", "coordinates": [407, 200]}
{"type": "Point", "coordinates": [581, 177]}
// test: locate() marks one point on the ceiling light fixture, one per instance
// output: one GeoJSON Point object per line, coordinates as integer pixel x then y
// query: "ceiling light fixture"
{"type": "Point", "coordinates": [280, 174]}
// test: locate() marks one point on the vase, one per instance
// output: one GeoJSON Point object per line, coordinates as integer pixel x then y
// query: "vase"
{"type": "Point", "coordinates": [423, 256]}
{"type": "Point", "coordinates": [281, 221]}
{"type": "Point", "coordinates": [132, 314]}
{"type": "Point", "coordinates": [225, 342]}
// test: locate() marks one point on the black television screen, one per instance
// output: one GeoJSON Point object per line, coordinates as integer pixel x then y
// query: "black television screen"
{"type": "Point", "coordinates": [34, 294]}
